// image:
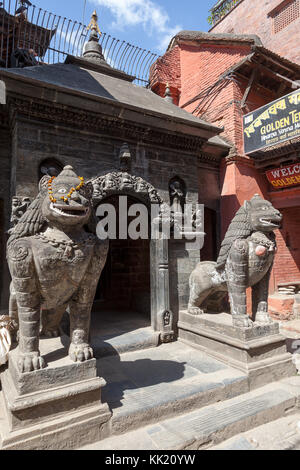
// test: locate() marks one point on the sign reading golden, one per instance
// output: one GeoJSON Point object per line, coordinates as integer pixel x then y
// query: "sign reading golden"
{"type": "Point", "coordinates": [272, 124]}
{"type": "Point", "coordinates": [284, 177]}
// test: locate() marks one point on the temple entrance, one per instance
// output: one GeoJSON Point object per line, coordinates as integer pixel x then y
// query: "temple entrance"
{"type": "Point", "coordinates": [121, 314]}
{"type": "Point", "coordinates": [125, 281]}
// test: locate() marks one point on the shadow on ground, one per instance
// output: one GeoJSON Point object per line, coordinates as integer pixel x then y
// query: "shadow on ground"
{"type": "Point", "coordinates": [122, 376]}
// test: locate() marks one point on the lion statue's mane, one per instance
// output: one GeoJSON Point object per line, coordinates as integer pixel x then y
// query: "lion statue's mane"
{"type": "Point", "coordinates": [239, 228]}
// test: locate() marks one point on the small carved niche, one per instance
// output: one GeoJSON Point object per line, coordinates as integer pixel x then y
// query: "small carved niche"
{"type": "Point", "coordinates": [125, 158]}
{"type": "Point", "coordinates": [177, 192]}
{"type": "Point", "coordinates": [50, 167]}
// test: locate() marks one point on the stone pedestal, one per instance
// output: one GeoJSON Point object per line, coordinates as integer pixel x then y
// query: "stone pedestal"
{"type": "Point", "coordinates": [260, 352]}
{"type": "Point", "coordinates": [58, 407]}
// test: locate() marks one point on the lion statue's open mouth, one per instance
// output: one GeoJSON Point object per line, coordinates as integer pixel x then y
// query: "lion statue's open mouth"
{"type": "Point", "coordinates": [69, 211]}
{"type": "Point", "coordinates": [270, 222]}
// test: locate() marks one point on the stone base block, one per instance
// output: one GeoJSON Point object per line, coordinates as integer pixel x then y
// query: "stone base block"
{"type": "Point", "coordinates": [260, 352]}
{"type": "Point", "coordinates": [58, 407]}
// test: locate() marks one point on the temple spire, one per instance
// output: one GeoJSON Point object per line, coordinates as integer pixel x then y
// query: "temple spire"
{"type": "Point", "coordinates": [93, 50]}
{"type": "Point", "coordinates": [93, 25]}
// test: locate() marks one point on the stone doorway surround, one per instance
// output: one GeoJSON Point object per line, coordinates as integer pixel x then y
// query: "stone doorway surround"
{"type": "Point", "coordinates": [125, 184]}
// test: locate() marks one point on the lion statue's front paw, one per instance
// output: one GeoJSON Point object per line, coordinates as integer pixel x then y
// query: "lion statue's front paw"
{"type": "Point", "coordinates": [195, 311]}
{"type": "Point", "coordinates": [29, 362]}
{"type": "Point", "coordinates": [80, 352]}
{"type": "Point", "coordinates": [263, 318]}
{"type": "Point", "coordinates": [242, 321]}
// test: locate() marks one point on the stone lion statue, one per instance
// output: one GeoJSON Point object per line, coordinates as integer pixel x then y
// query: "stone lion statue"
{"type": "Point", "coordinates": [55, 263]}
{"type": "Point", "coordinates": [245, 260]}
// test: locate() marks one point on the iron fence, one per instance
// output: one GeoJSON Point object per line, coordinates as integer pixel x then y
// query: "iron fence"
{"type": "Point", "coordinates": [49, 38]}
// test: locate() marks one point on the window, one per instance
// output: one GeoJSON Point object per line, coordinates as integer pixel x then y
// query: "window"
{"type": "Point", "coordinates": [285, 14]}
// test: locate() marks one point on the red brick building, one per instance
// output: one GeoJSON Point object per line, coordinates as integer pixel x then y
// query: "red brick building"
{"type": "Point", "coordinates": [221, 77]}
{"type": "Point", "coordinates": [276, 22]}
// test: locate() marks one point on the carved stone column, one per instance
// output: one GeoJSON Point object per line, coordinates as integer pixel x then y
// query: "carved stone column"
{"type": "Point", "coordinates": [161, 314]}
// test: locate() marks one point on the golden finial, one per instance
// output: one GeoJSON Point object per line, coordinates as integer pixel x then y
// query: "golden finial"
{"type": "Point", "coordinates": [93, 26]}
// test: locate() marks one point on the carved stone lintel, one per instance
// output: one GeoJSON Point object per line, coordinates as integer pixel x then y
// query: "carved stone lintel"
{"type": "Point", "coordinates": [118, 182]}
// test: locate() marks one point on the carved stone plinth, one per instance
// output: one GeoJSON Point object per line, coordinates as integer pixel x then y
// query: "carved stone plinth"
{"type": "Point", "coordinates": [54, 408]}
{"type": "Point", "coordinates": [260, 352]}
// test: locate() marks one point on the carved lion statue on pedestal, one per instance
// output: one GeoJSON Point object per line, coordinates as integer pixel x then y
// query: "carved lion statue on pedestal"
{"type": "Point", "coordinates": [55, 263]}
{"type": "Point", "coordinates": [245, 260]}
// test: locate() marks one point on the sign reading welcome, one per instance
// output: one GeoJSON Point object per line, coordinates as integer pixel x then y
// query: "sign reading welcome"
{"type": "Point", "coordinates": [276, 122]}
{"type": "Point", "coordinates": [284, 177]}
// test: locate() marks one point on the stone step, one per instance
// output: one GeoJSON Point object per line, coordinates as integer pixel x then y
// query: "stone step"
{"type": "Point", "coordinates": [281, 434]}
{"type": "Point", "coordinates": [144, 386]}
{"type": "Point", "coordinates": [116, 332]}
{"type": "Point", "coordinates": [212, 424]}
{"type": "Point", "coordinates": [123, 342]}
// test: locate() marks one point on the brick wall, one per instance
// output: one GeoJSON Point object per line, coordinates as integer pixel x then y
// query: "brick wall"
{"type": "Point", "coordinates": [167, 70]}
{"type": "Point", "coordinates": [287, 261]}
{"type": "Point", "coordinates": [201, 67]}
{"type": "Point", "coordinates": [252, 17]}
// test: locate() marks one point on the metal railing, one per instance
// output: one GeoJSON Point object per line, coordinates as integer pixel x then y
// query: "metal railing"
{"type": "Point", "coordinates": [221, 9]}
{"type": "Point", "coordinates": [49, 38]}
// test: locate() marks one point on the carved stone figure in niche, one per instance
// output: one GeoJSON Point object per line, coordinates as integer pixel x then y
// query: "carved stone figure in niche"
{"type": "Point", "coordinates": [109, 182]}
{"type": "Point", "coordinates": [55, 263]}
{"type": "Point", "coordinates": [141, 187]}
{"type": "Point", "coordinates": [177, 195]}
{"type": "Point", "coordinates": [18, 208]}
{"type": "Point", "coordinates": [126, 183]}
{"type": "Point", "coordinates": [245, 260]}
{"type": "Point", "coordinates": [167, 318]}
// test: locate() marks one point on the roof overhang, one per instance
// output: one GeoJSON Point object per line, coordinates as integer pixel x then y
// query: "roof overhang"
{"type": "Point", "coordinates": [200, 37]}
{"type": "Point", "coordinates": [271, 68]}
{"type": "Point", "coordinates": [46, 94]}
